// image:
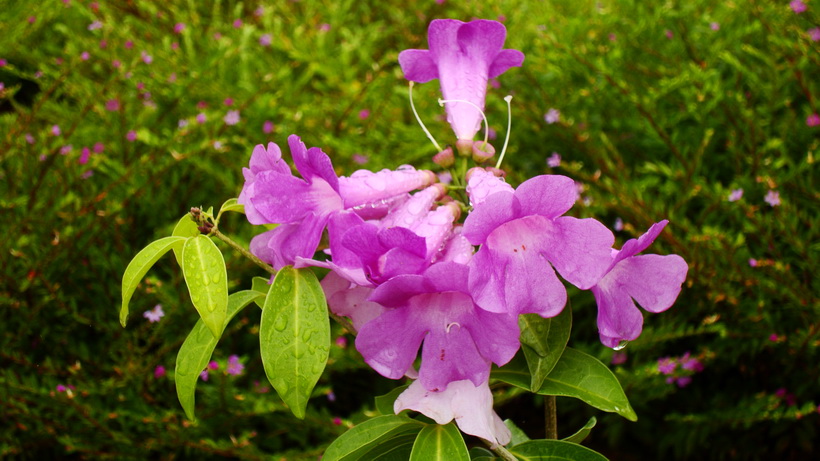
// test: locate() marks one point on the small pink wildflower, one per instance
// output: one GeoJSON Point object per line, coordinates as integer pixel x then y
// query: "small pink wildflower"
{"type": "Point", "coordinates": [147, 58]}
{"type": "Point", "coordinates": [341, 341]}
{"type": "Point", "coordinates": [360, 159]}
{"type": "Point", "coordinates": [798, 6]}
{"type": "Point", "coordinates": [131, 136]}
{"type": "Point", "coordinates": [29, 138]}
{"type": "Point", "coordinates": [228, 102]}
{"type": "Point", "coordinates": [259, 11]}
{"type": "Point", "coordinates": [772, 198]}
{"type": "Point", "coordinates": [87, 174]}
{"type": "Point", "coordinates": [735, 195]}
{"type": "Point", "coordinates": [99, 148]}
{"type": "Point", "coordinates": [154, 314]}
{"type": "Point", "coordinates": [200, 118]}
{"type": "Point", "coordinates": [116, 64]}
{"type": "Point", "coordinates": [204, 375]}
{"type": "Point", "coordinates": [232, 117]}
{"type": "Point", "coordinates": [201, 105]}
{"type": "Point", "coordinates": [175, 46]}
{"type": "Point", "coordinates": [217, 36]}
{"type": "Point", "coordinates": [667, 365]}
{"type": "Point", "coordinates": [3, 63]}
{"type": "Point", "coordinates": [552, 116]}
{"type": "Point", "coordinates": [612, 37]}
{"type": "Point", "coordinates": [337, 421]}
{"type": "Point", "coordinates": [260, 388]}
{"type": "Point", "coordinates": [84, 55]}
{"type": "Point", "coordinates": [65, 150]}
{"type": "Point", "coordinates": [364, 114]}
{"type": "Point", "coordinates": [267, 127]}
{"type": "Point", "coordinates": [684, 381]}
{"type": "Point", "coordinates": [129, 44]}
{"type": "Point", "coordinates": [213, 365]}
{"type": "Point", "coordinates": [32, 19]}
{"type": "Point", "coordinates": [554, 161]}
{"type": "Point", "coordinates": [159, 371]}
{"type": "Point", "coordinates": [773, 337]}
{"type": "Point", "coordinates": [619, 225]}
{"type": "Point", "coordinates": [324, 27]}
{"type": "Point", "coordinates": [618, 358]}
{"type": "Point", "coordinates": [112, 105]}
{"type": "Point", "coordinates": [84, 156]}
{"type": "Point", "coordinates": [55, 130]}
{"type": "Point", "coordinates": [714, 26]}
{"type": "Point", "coordinates": [182, 123]}
{"type": "Point", "coordinates": [668, 34]}
{"type": "Point", "coordinates": [103, 44]}
{"type": "Point", "coordinates": [266, 40]}
{"type": "Point", "coordinates": [95, 25]}
{"type": "Point", "coordinates": [753, 262]}
{"type": "Point", "coordinates": [813, 120]}
{"type": "Point", "coordinates": [234, 366]}
{"type": "Point", "coordinates": [179, 27]}
{"type": "Point", "coordinates": [61, 388]}
{"type": "Point", "coordinates": [237, 23]}
{"type": "Point", "coordinates": [814, 34]}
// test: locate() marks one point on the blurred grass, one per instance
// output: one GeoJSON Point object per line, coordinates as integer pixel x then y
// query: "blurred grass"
{"type": "Point", "coordinates": [662, 115]}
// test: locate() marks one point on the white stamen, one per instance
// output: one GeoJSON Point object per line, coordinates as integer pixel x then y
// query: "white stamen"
{"type": "Point", "coordinates": [441, 102]}
{"type": "Point", "coordinates": [507, 98]}
{"type": "Point", "coordinates": [418, 119]}
{"type": "Point", "coordinates": [451, 324]}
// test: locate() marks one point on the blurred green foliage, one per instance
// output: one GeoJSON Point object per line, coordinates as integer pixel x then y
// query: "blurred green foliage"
{"type": "Point", "coordinates": [665, 108]}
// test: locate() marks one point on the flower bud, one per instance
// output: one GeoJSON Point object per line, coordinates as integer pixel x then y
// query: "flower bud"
{"type": "Point", "coordinates": [482, 151]}
{"type": "Point", "coordinates": [445, 158]}
{"type": "Point", "coordinates": [464, 147]}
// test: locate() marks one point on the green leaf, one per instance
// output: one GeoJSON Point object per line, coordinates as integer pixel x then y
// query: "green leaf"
{"type": "Point", "coordinates": [384, 403]}
{"type": "Point", "coordinates": [232, 205]}
{"type": "Point", "coordinates": [197, 349]}
{"type": "Point", "coordinates": [582, 433]}
{"type": "Point", "coordinates": [575, 375]}
{"type": "Point", "coordinates": [294, 335]}
{"type": "Point", "coordinates": [186, 227]}
{"type": "Point", "coordinates": [139, 266]}
{"type": "Point", "coordinates": [543, 341]}
{"type": "Point", "coordinates": [441, 443]}
{"type": "Point", "coordinates": [482, 454]}
{"type": "Point", "coordinates": [518, 436]}
{"type": "Point", "coordinates": [582, 376]}
{"type": "Point", "coordinates": [204, 269]}
{"type": "Point", "coordinates": [386, 431]}
{"type": "Point", "coordinates": [261, 285]}
{"type": "Point", "coordinates": [554, 450]}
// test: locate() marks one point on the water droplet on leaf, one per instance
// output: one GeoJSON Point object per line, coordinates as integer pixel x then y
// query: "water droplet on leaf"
{"type": "Point", "coordinates": [280, 323]}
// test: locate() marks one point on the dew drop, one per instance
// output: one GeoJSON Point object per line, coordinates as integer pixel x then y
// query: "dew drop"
{"type": "Point", "coordinates": [281, 323]}
{"type": "Point", "coordinates": [306, 335]}
{"type": "Point", "coordinates": [216, 277]}
{"type": "Point", "coordinates": [298, 352]}
{"type": "Point", "coordinates": [620, 345]}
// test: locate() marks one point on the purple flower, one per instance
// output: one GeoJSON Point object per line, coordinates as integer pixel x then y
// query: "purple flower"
{"type": "Point", "coordinates": [179, 27]}
{"type": "Point", "coordinates": [714, 25]}
{"type": "Point", "coordinates": [235, 367]}
{"type": "Point", "coordinates": [65, 150]}
{"type": "Point", "coordinates": [684, 381]}
{"type": "Point", "coordinates": [95, 25]}
{"type": "Point", "coordinates": [552, 116]}
{"type": "Point", "coordinates": [213, 365]}
{"type": "Point", "coordinates": [99, 148]}
{"type": "Point", "coordinates": [463, 56]}
{"type": "Point", "coordinates": [55, 130]}
{"type": "Point", "coordinates": [798, 6]}
{"type": "Point", "coordinates": [753, 262]}
{"type": "Point", "coordinates": [85, 156]}
{"type": "Point", "coordinates": [667, 365]}
{"type": "Point", "coordinates": [159, 371]}
{"type": "Point", "coordinates": [29, 138]}
{"type": "Point", "coordinates": [232, 117]}
{"type": "Point", "coordinates": [154, 314]}
{"type": "Point", "coordinates": [237, 23]}
{"type": "Point", "coordinates": [266, 40]}
{"type": "Point", "coordinates": [204, 375]}
{"type": "Point", "coordinates": [200, 118]}
{"type": "Point", "coordinates": [304, 206]}
{"type": "Point", "coordinates": [112, 105]}
{"type": "Point", "coordinates": [470, 405]}
{"type": "Point", "coordinates": [131, 136]}
{"type": "Point", "coordinates": [146, 58]}
{"type": "Point", "coordinates": [61, 388]}
{"type": "Point", "coordinates": [814, 34]}
{"type": "Point", "coordinates": [668, 33]}
{"type": "Point", "coordinates": [735, 195]}
{"type": "Point", "coordinates": [772, 198]}
{"type": "Point", "coordinates": [813, 120]}
{"type": "Point", "coordinates": [3, 63]}
{"type": "Point", "coordinates": [618, 358]}
{"type": "Point", "coordinates": [619, 225]}
{"type": "Point", "coordinates": [363, 114]}
{"type": "Point", "coordinates": [84, 55]}
{"type": "Point", "coordinates": [653, 281]}
{"type": "Point", "coordinates": [267, 127]}
{"type": "Point", "coordinates": [360, 159]}
{"type": "Point", "coordinates": [554, 161]}
{"type": "Point", "coordinates": [523, 235]}
{"type": "Point", "coordinates": [460, 339]}
{"type": "Point", "coordinates": [324, 27]}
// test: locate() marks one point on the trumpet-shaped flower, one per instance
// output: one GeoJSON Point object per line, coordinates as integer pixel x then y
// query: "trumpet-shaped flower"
{"type": "Point", "coordinates": [303, 206]}
{"type": "Point", "coordinates": [523, 236]}
{"type": "Point", "coordinates": [653, 281]}
{"type": "Point", "coordinates": [463, 56]}
{"type": "Point", "coordinates": [460, 340]}
{"type": "Point", "coordinates": [470, 405]}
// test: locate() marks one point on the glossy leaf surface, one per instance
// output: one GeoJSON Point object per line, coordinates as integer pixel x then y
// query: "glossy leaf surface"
{"type": "Point", "coordinates": [207, 278]}
{"type": "Point", "coordinates": [139, 266]}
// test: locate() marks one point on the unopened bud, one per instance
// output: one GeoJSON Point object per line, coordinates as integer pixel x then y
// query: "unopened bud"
{"type": "Point", "coordinates": [497, 172]}
{"type": "Point", "coordinates": [482, 151]}
{"type": "Point", "coordinates": [445, 158]}
{"type": "Point", "coordinates": [464, 147]}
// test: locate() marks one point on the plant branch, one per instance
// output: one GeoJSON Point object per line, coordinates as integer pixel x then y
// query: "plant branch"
{"type": "Point", "coordinates": [501, 451]}
{"type": "Point", "coordinates": [215, 232]}
{"type": "Point", "coordinates": [551, 417]}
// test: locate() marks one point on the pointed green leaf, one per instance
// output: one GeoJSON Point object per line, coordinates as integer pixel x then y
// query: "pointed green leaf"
{"type": "Point", "coordinates": [575, 375]}
{"type": "Point", "coordinates": [261, 285]}
{"type": "Point", "coordinates": [186, 227]}
{"type": "Point", "coordinates": [518, 436]}
{"type": "Point", "coordinates": [232, 205]}
{"type": "Point", "coordinates": [543, 341]}
{"type": "Point", "coordinates": [582, 433]}
{"type": "Point", "coordinates": [139, 266]}
{"type": "Point", "coordinates": [438, 442]}
{"type": "Point", "coordinates": [554, 450]}
{"type": "Point", "coordinates": [482, 454]}
{"type": "Point", "coordinates": [197, 349]}
{"type": "Point", "coordinates": [294, 335]}
{"type": "Point", "coordinates": [204, 269]}
{"type": "Point", "coordinates": [363, 438]}
{"type": "Point", "coordinates": [384, 403]}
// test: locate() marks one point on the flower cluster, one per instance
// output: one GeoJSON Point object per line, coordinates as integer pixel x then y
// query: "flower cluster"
{"type": "Point", "coordinates": [412, 277]}
{"type": "Point", "coordinates": [679, 370]}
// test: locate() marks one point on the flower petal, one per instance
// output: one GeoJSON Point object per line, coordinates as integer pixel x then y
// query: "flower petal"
{"type": "Point", "coordinates": [580, 249]}
{"type": "Point", "coordinates": [618, 317]}
{"type": "Point", "coordinates": [389, 353]}
{"type": "Point", "coordinates": [496, 210]}
{"type": "Point", "coordinates": [449, 352]}
{"type": "Point", "coordinates": [418, 66]}
{"type": "Point", "coordinates": [268, 159]}
{"type": "Point", "coordinates": [344, 298]}
{"type": "Point", "coordinates": [546, 195]}
{"type": "Point", "coordinates": [289, 241]}
{"type": "Point", "coordinates": [312, 163]}
{"type": "Point", "coordinates": [504, 60]}
{"type": "Point", "coordinates": [279, 198]}
{"type": "Point", "coordinates": [653, 280]}
{"type": "Point", "coordinates": [366, 187]}
{"type": "Point", "coordinates": [635, 246]}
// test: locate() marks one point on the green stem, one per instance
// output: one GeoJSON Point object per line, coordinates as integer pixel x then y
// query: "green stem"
{"type": "Point", "coordinates": [215, 232]}
{"type": "Point", "coordinates": [551, 417]}
{"type": "Point", "coordinates": [501, 451]}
